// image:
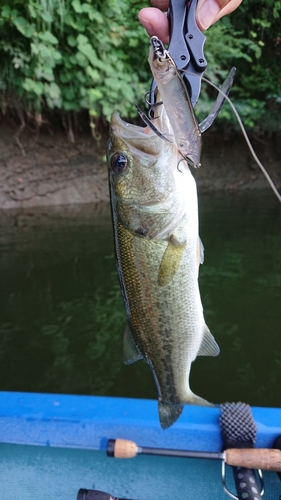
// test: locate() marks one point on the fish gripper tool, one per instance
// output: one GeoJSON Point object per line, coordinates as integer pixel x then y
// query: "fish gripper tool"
{"type": "Point", "coordinates": [186, 46]}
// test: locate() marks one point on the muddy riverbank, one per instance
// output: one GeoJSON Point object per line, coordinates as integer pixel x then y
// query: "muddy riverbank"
{"type": "Point", "coordinates": [45, 169]}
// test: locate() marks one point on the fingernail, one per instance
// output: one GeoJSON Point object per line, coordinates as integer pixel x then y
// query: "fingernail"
{"type": "Point", "coordinates": [207, 13]}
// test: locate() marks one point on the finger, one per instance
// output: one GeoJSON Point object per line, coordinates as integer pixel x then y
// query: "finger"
{"type": "Point", "coordinates": [228, 7]}
{"type": "Point", "coordinates": [160, 4]}
{"type": "Point", "coordinates": [207, 13]}
{"type": "Point", "coordinates": [210, 11]}
{"type": "Point", "coordinates": [155, 22]}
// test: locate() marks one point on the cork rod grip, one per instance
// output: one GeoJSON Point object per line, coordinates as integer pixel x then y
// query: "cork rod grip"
{"type": "Point", "coordinates": [125, 449]}
{"type": "Point", "coordinates": [254, 458]}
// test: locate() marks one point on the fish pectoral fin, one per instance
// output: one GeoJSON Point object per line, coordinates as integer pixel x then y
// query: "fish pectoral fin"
{"type": "Point", "coordinates": [170, 261]}
{"type": "Point", "coordinates": [168, 413]}
{"type": "Point", "coordinates": [208, 347]}
{"type": "Point", "coordinates": [130, 351]}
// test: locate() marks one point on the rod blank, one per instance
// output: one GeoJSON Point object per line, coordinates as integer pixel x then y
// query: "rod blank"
{"type": "Point", "coordinates": [252, 458]}
{"type": "Point", "coordinates": [123, 448]}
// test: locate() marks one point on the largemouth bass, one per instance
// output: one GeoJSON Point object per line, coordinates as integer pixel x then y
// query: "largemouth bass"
{"type": "Point", "coordinates": [158, 251]}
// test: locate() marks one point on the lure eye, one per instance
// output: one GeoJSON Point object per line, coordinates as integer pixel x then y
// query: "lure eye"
{"type": "Point", "coordinates": [161, 61]}
{"type": "Point", "coordinates": [119, 163]}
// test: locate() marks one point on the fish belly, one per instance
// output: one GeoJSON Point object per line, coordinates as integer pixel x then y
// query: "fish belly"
{"type": "Point", "coordinates": [165, 318]}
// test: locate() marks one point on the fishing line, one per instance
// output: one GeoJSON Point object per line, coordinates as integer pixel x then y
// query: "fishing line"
{"type": "Point", "coordinates": [267, 176]}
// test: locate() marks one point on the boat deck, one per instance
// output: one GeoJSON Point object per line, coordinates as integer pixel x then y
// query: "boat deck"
{"type": "Point", "coordinates": [52, 445]}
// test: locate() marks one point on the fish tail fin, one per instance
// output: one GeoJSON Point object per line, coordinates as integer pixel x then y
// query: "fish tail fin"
{"type": "Point", "coordinates": [168, 413]}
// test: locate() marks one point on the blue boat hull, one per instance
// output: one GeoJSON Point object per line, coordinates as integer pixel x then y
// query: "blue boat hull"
{"type": "Point", "coordinates": [52, 445]}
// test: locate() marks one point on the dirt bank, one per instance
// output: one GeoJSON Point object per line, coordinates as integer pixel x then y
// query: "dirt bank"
{"type": "Point", "coordinates": [46, 169]}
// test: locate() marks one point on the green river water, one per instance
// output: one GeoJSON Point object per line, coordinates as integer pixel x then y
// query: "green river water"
{"type": "Point", "coordinates": [62, 316]}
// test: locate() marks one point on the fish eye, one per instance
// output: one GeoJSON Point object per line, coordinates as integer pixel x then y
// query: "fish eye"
{"type": "Point", "coordinates": [119, 162]}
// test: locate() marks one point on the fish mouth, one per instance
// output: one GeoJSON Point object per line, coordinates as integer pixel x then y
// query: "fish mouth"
{"type": "Point", "coordinates": [127, 130]}
{"type": "Point", "coordinates": [144, 139]}
{"type": "Point", "coordinates": [160, 121]}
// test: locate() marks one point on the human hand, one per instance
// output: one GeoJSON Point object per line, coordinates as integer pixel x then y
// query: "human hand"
{"type": "Point", "coordinates": [155, 21]}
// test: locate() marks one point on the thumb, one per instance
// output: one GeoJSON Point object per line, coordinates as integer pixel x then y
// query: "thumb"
{"type": "Point", "coordinates": [209, 11]}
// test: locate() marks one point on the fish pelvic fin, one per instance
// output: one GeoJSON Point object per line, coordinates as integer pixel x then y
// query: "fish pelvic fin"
{"type": "Point", "coordinates": [131, 352]}
{"type": "Point", "coordinates": [208, 347]}
{"type": "Point", "coordinates": [168, 413]}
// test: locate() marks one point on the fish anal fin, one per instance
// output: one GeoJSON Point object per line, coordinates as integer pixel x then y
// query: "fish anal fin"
{"type": "Point", "coordinates": [193, 399]}
{"type": "Point", "coordinates": [130, 351]}
{"type": "Point", "coordinates": [208, 347]}
{"type": "Point", "coordinates": [200, 251]}
{"type": "Point", "coordinates": [168, 413]}
{"type": "Point", "coordinates": [170, 261]}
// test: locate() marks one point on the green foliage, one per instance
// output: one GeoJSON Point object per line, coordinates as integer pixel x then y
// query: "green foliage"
{"type": "Point", "coordinates": [72, 55]}
{"type": "Point", "coordinates": [250, 40]}
{"type": "Point", "coordinates": [226, 47]}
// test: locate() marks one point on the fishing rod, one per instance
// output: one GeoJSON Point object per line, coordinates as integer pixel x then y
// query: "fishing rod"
{"type": "Point", "coordinates": [254, 458]}
{"type": "Point", "coordinates": [84, 494]}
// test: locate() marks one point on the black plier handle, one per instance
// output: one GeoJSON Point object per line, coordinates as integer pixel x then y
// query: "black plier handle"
{"type": "Point", "coordinates": [186, 45]}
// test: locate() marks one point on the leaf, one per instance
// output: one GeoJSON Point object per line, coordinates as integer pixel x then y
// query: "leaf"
{"type": "Point", "coordinates": [96, 15]}
{"type": "Point", "coordinates": [47, 36]}
{"type": "Point", "coordinates": [81, 60]}
{"type": "Point", "coordinates": [70, 106]}
{"type": "Point", "coordinates": [23, 26]}
{"type": "Point", "coordinates": [81, 77]}
{"type": "Point", "coordinates": [34, 49]}
{"type": "Point", "coordinates": [44, 73]}
{"type": "Point", "coordinates": [6, 11]}
{"type": "Point", "coordinates": [46, 16]}
{"type": "Point", "coordinates": [69, 93]}
{"type": "Point", "coordinates": [76, 4]}
{"type": "Point", "coordinates": [87, 50]}
{"type": "Point", "coordinates": [93, 74]}
{"type": "Point", "coordinates": [53, 94]}
{"type": "Point", "coordinates": [32, 11]}
{"type": "Point", "coordinates": [95, 95]}
{"type": "Point", "coordinates": [31, 86]}
{"type": "Point", "coordinates": [71, 40]}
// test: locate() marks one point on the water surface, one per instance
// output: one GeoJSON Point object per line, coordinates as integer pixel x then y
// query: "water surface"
{"type": "Point", "coordinates": [62, 316]}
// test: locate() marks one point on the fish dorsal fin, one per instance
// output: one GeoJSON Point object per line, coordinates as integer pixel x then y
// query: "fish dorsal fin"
{"type": "Point", "coordinates": [170, 261]}
{"type": "Point", "coordinates": [200, 251]}
{"type": "Point", "coordinates": [130, 350]}
{"type": "Point", "coordinates": [208, 347]}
